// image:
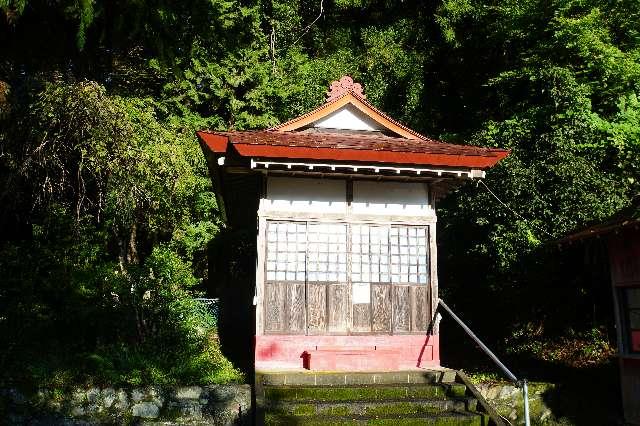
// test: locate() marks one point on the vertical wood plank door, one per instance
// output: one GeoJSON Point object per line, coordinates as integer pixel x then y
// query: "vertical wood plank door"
{"type": "Point", "coordinates": [371, 288]}
{"type": "Point", "coordinates": [410, 278]}
{"type": "Point", "coordinates": [401, 309]}
{"type": "Point", "coordinates": [338, 300]}
{"type": "Point", "coordinates": [420, 308]}
{"type": "Point", "coordinates": [334, 278]}
{"type": "Point", "coordinates": [296, 308]}
{"type": "Point", "coordinates": [284, 289]}
{"type": "Point", "coordinates": [274, 319]}
{"type": "Point", "coordinates": [327, 278]}
{"type": "Point", "coordinates": [316, 308]}
{"type": "Point", "coordinates": [381, 308]}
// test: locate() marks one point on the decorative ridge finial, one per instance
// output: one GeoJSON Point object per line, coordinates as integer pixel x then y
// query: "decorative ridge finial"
{"type": "Point", "coordinates": [342, 86]}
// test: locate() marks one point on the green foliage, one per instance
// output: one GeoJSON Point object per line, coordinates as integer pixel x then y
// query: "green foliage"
{"type": "Point", "coordinates": [104, 191]}
{"type": "Point", "coordinates": [124, 211]}
{"type": "Point", "coordinates": [562, 96]}
{"type": "Point", "coordinates": [575, 349]}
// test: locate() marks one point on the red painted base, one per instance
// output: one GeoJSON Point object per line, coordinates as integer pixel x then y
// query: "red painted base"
{"type": "Point", "coordinates": [347, 353]}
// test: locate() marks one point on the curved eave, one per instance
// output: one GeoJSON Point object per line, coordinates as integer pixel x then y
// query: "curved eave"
{"type": "Point", "coordinates": [369, 156]}
{"type": "Point", "coordinates": [220, 144]}
{"type": "Point", "coordinates": [216, 143]}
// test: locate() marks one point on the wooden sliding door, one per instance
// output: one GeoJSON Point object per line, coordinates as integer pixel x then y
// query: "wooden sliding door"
{"type": "Point", "coordinates": [390, 278]}
{"type": "Point", "coordinates": [306, 289]}
{"type": "Point", "coordinates": [327, 289]}
{"type": "Point", "coordinates": [284, 290]}
{"type": "Point", "coordinates": [336, 278]}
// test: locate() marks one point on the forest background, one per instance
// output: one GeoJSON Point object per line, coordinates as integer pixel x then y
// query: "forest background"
{"type": "Point", "coordinates": [107, 210]}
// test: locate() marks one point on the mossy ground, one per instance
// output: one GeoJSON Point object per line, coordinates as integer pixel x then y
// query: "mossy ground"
{"type": "Point", "coordinates": [352, 393]}
{"type": "Point", "coordinates": [367, 408]}
{"type": "Point", "coordinates": [439, 420]}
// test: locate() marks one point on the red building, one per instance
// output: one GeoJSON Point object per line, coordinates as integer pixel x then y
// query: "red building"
{"type": "Point", "coordinates": [621, 235]}
{"type": "Point", "coordinates": [344, 202]}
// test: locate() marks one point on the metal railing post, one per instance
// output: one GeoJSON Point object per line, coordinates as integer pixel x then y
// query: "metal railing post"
{"type": "Point", "coordinates": [494, 358]}
{"type": "Point", "coordinates": [525, 396]}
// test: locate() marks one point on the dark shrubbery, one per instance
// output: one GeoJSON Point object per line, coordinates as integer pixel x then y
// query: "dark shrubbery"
{"type": "Point", "coordinates": [100, 284]}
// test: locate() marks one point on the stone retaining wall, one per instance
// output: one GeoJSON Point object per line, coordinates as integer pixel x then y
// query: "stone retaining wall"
{"type": "Point", "coordinates": [216, 404]}
{"type": "Point", "coordinates": [508, 402]}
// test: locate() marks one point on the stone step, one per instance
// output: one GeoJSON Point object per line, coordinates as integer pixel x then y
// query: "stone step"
{"type": "Point", "coordinates": [416, 397]}
{"type": "Point", "coordinates": [445, 419]}
{"type": "Point", "coordinates": [363, 392]}
{"type": "Point", "coordinates": [350, 378]}
{"type": "Point", "coordinates": [372, 408]}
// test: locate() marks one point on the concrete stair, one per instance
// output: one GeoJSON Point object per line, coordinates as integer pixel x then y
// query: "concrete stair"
{"type": "Point", "coordinates": [433, 397]}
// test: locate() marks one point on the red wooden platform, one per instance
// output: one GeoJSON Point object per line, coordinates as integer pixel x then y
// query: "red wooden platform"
{"type": "Point", "coordinates": [346, 353]}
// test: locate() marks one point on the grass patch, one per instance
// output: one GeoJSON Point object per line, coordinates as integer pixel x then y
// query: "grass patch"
{"type": "Point", "coordinates": [59, 368]}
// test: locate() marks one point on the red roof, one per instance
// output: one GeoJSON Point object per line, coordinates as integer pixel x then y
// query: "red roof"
{"type": "Point", "coordinates": [358, 147]}
{"type": "Point", "coordinates": [292, 140]}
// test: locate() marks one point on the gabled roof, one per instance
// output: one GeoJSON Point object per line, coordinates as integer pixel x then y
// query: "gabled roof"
{"type": "Point", "coordinates": [350, 98]}
{"type": "Point", "coordinates": [387, 142]}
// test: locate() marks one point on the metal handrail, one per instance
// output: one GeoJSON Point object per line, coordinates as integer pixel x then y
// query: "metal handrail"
{"type": "Point", "coordinates": [519, 383]}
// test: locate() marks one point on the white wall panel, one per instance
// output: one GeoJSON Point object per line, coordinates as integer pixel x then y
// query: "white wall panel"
{"type": "Point", "coordinates": [391, 198]}
{"type": "Point", "coordinates": [286, 194]}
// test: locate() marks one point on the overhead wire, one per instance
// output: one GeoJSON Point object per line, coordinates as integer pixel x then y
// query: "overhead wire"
{"type": "Point", "coordinates": [513, 211]}
{"type": "Point", "coordinates": [272, 37]}
{"type": "Point", "coordinates": [308, 27]}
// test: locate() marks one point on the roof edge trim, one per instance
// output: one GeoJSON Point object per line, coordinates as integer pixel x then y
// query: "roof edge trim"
{"type": "Point", "coordinates": [216, 143]}
{"type": "Point", "coordinates": [418, 171]}
{"type": "Point", "coordinates": [361, 104]}
{"type": "Point", "coordinates": [361, 155]}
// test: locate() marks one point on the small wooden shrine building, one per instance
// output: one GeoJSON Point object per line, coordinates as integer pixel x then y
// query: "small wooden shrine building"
{"type": "Point", "coordinates": [621, 234]}
{"type": "Point", "coordinates": [343, 201]}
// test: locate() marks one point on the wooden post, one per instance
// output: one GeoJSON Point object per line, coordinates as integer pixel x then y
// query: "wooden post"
{"type": "Point", "coordinates": [433, 259]}
{"type": "Point", "coordinates": [260, 274]}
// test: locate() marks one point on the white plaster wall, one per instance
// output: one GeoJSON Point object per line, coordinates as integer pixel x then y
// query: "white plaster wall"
{"type": "Point", "coordinates": [391, 198]}
{"type": "Point", "coordinates": [287, 194]}
{"type": "Point", "coordinates": [347, 118]}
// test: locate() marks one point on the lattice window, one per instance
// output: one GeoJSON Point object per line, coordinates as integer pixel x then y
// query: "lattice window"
{"type": "Point", "coordinates": [409, 262]}
{"type": "Point", "coordinates": [308, 288]}
{"type": "Point", "coordinates": [318, 252]}
{"type": "Point", "coordinates": [327, 252]}
{"type": "Point", "coordinates": [286, 251]}
{"type": "Point", "coordinates": [395, 254]}
{"type": "Point", "coordinates": [370, 254]}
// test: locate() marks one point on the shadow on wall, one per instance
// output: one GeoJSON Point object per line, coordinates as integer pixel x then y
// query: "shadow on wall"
{"type": "Point", "coordinates": [232, 260]}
